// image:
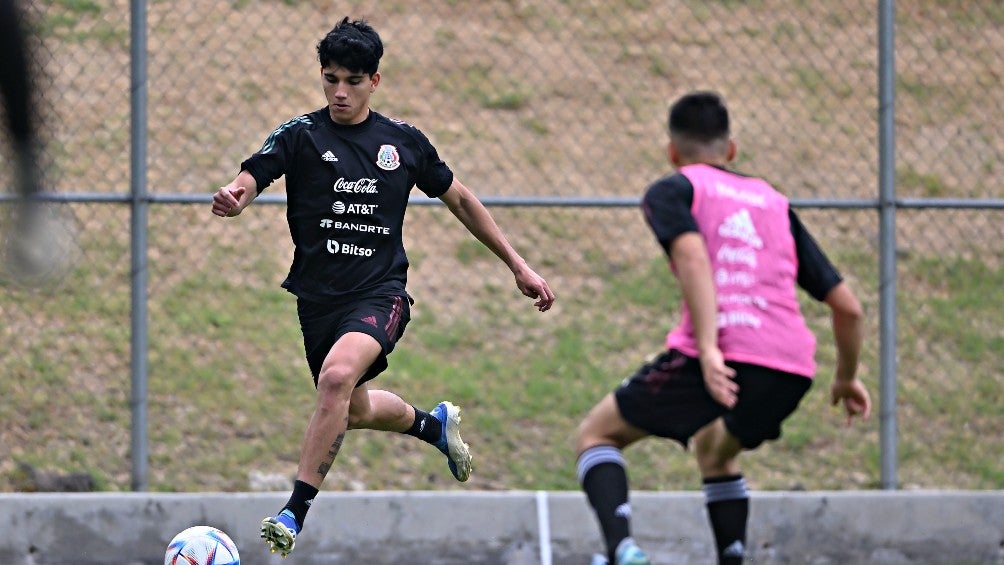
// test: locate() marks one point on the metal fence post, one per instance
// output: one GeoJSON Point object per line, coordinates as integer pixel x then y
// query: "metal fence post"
{"type": "Point", "coordinates": [138, 239]}
{"type": "Point", "coordinates": [887, 237]}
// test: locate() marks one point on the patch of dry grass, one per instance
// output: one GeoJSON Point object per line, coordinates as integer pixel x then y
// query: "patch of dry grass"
{"type": "Point", "coordinates": [522, 99]}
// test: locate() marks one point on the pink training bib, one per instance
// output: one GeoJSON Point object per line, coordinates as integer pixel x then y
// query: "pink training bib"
{"type": "Point", "coordinates": [745, 225]}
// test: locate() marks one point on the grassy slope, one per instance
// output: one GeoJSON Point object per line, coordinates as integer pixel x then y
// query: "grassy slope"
{"type": "Point", "coordinates": [228, 390]}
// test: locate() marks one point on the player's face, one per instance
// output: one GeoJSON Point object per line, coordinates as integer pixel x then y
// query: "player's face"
{"type": "Point", "coordinates": [348, 93]}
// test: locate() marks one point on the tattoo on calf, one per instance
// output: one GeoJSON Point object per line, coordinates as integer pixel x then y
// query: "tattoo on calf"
{"type": "Point", "coordinates": [325, 465]}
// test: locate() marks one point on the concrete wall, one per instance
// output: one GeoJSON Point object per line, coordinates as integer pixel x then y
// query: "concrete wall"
{"type": "Point", "coordinates": [507, 528]}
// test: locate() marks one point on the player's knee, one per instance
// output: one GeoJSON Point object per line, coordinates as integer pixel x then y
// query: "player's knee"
{"type": "Point", "coordinates": [582, 441]}
{"type": "Point", "coordinates": [590, 434]}
{"type": "Point", "coordinates": [334, 385]}
{"type": "Point", "coordinates": [601, 426]}
{"type": "Point", "coordinates": [707, 460]}
{"type": "Point", "coordinates": [716, 461]}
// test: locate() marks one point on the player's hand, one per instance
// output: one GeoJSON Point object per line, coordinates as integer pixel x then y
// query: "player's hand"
{"type": "Point", "coordinates": [854, 396]}
{"type": "Point", "coordinates": [226, 201]}
{"type": "Point", "coordinates": [534, 286]}
{"type": "Point", "coordinates": [718, 378]}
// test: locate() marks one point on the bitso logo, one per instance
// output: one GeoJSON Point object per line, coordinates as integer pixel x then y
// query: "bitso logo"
{"type": "Point", "coordinates": [387, 158]}
{"type": "Point", "coordinates": [336, 248]}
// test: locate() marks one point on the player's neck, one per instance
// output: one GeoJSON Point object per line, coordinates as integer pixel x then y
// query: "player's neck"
{"type": "Point", "coordinates": [720, 163]}
{"type": "Point", "coordinates": [362, 117]}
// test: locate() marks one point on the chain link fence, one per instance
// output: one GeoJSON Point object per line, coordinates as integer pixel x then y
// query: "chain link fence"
{"type": "Point", "coordinates": [529, 102]}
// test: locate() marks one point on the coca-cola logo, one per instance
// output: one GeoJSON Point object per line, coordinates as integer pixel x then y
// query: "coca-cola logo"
{"type": "Point", "coordinates": [361, 186]}
{"type": "Point", "coordinates": [737, 255]}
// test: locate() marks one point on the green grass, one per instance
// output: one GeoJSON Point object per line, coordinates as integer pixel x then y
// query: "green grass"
{"type": "Point", "coordinates": [481, 84]}
{"type": "Point", "coordinates": [923, 184]}
{"type": "Point", "coordinates": [229, 391]}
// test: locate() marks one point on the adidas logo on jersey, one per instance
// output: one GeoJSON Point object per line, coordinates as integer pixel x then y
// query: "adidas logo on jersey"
{"type": "Point", "coordinates": [329, 157]}
{"type": "Point", "coordinates": [740, 226]}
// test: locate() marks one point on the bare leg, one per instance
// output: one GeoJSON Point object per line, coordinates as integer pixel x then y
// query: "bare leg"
{"type": "Point", "coordinates": [379, 410]}
{"type": "Point", "coordinates": [345, 364]}
{"type": "Point", "coordinates": [605, 426]}
{"type": "Point", "coordinates": [716, 450]}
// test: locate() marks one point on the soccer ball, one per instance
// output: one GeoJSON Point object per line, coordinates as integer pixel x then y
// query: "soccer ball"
{"type": "Point", "coordinates": [202, 545]}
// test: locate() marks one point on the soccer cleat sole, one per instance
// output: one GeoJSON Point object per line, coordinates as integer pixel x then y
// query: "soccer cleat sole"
{"type": "Point", "coordinates": [460, 452]}
{"type": "Point", "coordinates": [277, 536]}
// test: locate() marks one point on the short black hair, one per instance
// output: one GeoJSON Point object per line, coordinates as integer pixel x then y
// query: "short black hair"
{"type": "Point", "coordinates": [354, 45]}
{"type": "Point", "coordinates": [700, 117]}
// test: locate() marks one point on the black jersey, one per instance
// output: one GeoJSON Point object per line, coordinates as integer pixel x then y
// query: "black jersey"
{"type": "Point", "coordinates": [347, 191]}
{"type": "Point", "coordinates": [667, 206]}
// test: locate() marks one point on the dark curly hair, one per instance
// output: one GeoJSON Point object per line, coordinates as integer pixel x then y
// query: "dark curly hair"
{"type": "Point", "coordinates": [353, 45]}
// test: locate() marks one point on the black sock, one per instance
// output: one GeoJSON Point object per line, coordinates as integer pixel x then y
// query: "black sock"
{"type": "Point", "coordinates": [426, 427]}
{"type": "Point", "coordinates": [604, 479]}
{"type": "Point", "coordinates": [300, 501]}
{"type": "Point", "coordinates": [728, 510]}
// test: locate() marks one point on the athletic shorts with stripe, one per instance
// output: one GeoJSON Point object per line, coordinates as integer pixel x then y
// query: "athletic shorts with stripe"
{"type": "Point", "coordinates": [666, 397]}
{"type": "Point", "coordinates": [381, 317]}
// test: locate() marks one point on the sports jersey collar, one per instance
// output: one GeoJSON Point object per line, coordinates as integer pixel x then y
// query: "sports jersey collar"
{"type": "Point", "coordinates": [724, 169]}
{"type": "Point", "coordinates": [363, 125]}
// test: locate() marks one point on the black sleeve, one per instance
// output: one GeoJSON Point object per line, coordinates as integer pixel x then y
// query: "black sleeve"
{"type": "Point", "coordinates": [816, 275]}
{"type": "Point", "coordinates": [434, 176]}
{"type": "Point", "coordinates": [666, 206]}
{"type": "Point", "coordinates": [276, 155]}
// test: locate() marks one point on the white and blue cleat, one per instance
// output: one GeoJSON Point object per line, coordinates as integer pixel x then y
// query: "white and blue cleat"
{"type": "Point", "coordinates": [280, 532]}
{"type": "Point", "coordinates": [628, 553]}
{"type": "Point", "coordinates": [457, 452]}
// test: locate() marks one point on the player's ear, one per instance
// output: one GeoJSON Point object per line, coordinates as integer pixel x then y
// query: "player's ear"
{"type": "Point", "coordinates": [732, 151]}
{"type": "Point", "coordinates": [374, 81]}
{"type": "Point", "coordinates": [673, 154]}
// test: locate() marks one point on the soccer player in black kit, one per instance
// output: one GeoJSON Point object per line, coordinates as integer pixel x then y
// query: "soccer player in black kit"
{"type": "Point", "coordinates": [349, 171]}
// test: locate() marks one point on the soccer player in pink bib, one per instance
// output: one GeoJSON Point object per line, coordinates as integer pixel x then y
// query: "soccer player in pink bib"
{"type": "Point", "coordinates": [742, 357]}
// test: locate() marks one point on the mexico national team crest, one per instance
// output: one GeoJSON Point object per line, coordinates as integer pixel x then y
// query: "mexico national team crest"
{"type": "Point", "coordinates": [387, 158]}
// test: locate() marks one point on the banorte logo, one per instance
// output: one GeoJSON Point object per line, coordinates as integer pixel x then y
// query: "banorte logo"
{"type": "Point", "coordinates": [361, 186]}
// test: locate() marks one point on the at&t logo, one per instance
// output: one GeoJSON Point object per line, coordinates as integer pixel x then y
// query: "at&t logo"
{"type": "Point", "coordinates": [343, 208]}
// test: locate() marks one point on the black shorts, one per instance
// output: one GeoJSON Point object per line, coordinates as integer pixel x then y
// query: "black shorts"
{"type": "Point", "coordinates": [382, 317]}
{"type": "Point", "coordinates": [667, 398]}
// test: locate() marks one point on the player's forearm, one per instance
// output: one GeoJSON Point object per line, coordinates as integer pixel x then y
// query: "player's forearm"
{"type": "Point", "coordinates": [484, 228]}
{"type": "Point", "coordinates": [476, 218]}
{"type": "Point", "coordinates": [848, 335]}
{"type": "Point", "coordinates": [848, 330]}
{"type": "Point", "coordinates": [694, 273]}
